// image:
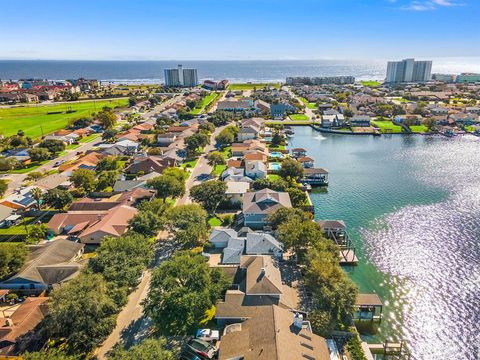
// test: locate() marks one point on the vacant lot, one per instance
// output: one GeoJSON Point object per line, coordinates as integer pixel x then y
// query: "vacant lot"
{"type": "Point", "coordinates": [36, 120]}
{"type": "Point", "coordinates": [205, 102]}
{"type": "Point", "coordinates": [251, 86]}
{"type": "Point", "coordinates": [387, 126]}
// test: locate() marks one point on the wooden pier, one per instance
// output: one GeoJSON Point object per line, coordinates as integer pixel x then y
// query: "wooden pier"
{"type": "Point", "coordinates": [348, 257]}
{"type": "Point", "coordinates": [388, 349]}
{"type": "Point", "coordinates": [336, 231]}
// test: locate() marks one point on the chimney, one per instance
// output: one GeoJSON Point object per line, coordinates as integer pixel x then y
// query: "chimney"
{"type": "Point", "coordinates": [9, 322]}
{"type": "Point", "coordinates": [261, 275]}
{"type": "Point", "coordinates": [298, 320]}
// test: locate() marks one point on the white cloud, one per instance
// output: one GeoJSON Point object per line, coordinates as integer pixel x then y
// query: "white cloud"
{"type": "Point", "coordinates": [425, 5]}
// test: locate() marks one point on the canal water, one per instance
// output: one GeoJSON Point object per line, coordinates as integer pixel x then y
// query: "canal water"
{"type": "Point", "coordinates": [412, 206]}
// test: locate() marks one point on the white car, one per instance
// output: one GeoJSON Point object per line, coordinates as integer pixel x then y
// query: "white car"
{"type": "Point", "coordinates": [208, 335]}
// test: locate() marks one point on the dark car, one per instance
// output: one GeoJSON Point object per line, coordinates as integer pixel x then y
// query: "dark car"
{"type": "Point", "coordinates": [203, 349]}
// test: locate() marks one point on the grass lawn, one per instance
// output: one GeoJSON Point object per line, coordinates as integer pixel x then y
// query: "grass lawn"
{"type": "Point", "coordinates": [276, 148]}
{"type": "Point", "coordinates": [190, 164]}
{"type": "Point", "coordinates": [205, 102]}
{"type": "Point", "coordinates": [17, 229]}
{"type": "Point", "coordinates": [371, 83]}
{"type": "Point", "coordinates": [386, 126]}
{"type": "Point", "coordinates": [299, 117]}
{"type": "Point", "coordinates": [33, 119]}
{"type": "Point", "coordinates": [219, 169]}
{"type": "Point", "coordinates": [273, 177]}
{"type": "Point", "coordinates": [214, 221]}
{"type": "Point", "coordinates": [287, 122]}
{"type": "Point", "coordinates": [227, 152]}
{"type": "Point", "coordinates": [250, 86]}
{"type": "Point", "coordinates": [419, 129]}
{"type": "Point", "coordinates": [88, 138]}
{"type": "Point", "coordinates": [308, 104]}
{"type": "Point", "coordinates": [27, 169]}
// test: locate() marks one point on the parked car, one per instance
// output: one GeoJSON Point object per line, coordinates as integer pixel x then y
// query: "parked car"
{"type": "Point", "coordinates": [58, 163]}
{"type": "Point", "coordinates": [202, 348]}
{"type": "Point", "coordinates": [208, 335]}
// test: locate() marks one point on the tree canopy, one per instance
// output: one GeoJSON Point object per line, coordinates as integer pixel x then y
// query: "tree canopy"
{"type": "Point", "coordinates": [58, 199]}
{"type": "Point", "coordinates": [167, 186]}
{"type": "Point", "coordinates": [181, 291]}
{"type": "Point", "coordinates": [12, 257]}
{"type": "Point", "coordinates": [209, 194]}
{"type": "Point", "coordinates": [188, 223]}
{"type": "Point", "coordinates": [81, 313]}
{"type": "Point", "coordinates": [84, 179]}
{"type": "Point", "coordinates": [53, 145]}
{"type": "Point", "coordinates": [291, 169]}
{"type": "Point", "coordinates": [148, 349]}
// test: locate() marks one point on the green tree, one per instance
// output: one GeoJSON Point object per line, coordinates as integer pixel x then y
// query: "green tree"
{"type": "Point", "coordinates": [196, 141]}
{"type": "Point", "coordinates": [37, 194]}
{"type": "Point", "coordinates": [109, 163]}
{"type": "Point", "coordinates": [148, 349]}
{"type": "Point", "coordinates": [106, 179]}
{"type": "Point", "coordinates": [178, 173]}
{"type": "Point", "coordinates": [50, 354]}
{"type": "Point", "coordinates": [297, 197]}
{"type": "Point", "coordinates": [36, 233]}
{"type": "Point", "coordinates": [39, 154]}
{"type": "Point", "coordinates": [107, 118]}
{"type": "Point", "coordinates": [278, 184]}
{"type": "Point", "coordinates": [207, 126]}
{"type": "Point", "coordinates": [333, 291]}
{"type": "Point", "coordinates": [227, 136]}
{"type": "Point", "coordinates": [84, 179]}
{"type": "Point", "coordinates": [156, 206]}
{"type": "Point", "coordinates": [299, 235]}
{"type": "Point", "coordinates": [167, 186]}
{"type": "Point", "coordinates": [122, 260]}
{"type": "Point", "coordinates": [3, 187]}
{"type": "Point", "coordinates": [277, 139]}
{"type": "Point", "coordinates": [12, 257]}
{"type": "Point", "coordinates": [216, 158]}
{"type": "Point", "coordinates": [209, 194]}
{"type": "Point", "coordinates": [181, 291]}
{"type": "Point", "coordinates": [52, 145]}
{"type": "Point", "coordinates": [291, 169]}
{"type": "Point", "coordinates": [284, 215]}
{"type": "Point", "coordinates": [188, 223]}
{"type": "Point", "coordinates": [146, 223]}
{"type": "Point", "coordinates": [58, 199]}
{"type": "Point", "coordinates": [109, 135]}
{"type": "Point", "coordinates": [8, 163]}
{"type": "Point", "coordinates": [82, 314]}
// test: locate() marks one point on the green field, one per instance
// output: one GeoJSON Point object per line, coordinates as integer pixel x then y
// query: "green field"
{"type": "Point", "coordinates": [299, 117]}
{"type": "Point", "coordinates": [35, 120]}
{"type": "Point", "coordinates": [386, 126]}
{"type": "Point", "coordinates": [205, 102]}
{"type": "Point", "coordinates": [371, 83]}
{"type": "Point", "coordinates": [419, 129]}
{"type": "Point", "coordinates": [251, 86]}
{"type": "Point", "coordinates": [308, 104]}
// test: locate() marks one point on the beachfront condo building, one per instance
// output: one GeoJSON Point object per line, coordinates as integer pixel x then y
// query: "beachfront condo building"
{"type": "Point", "coordinates": [408, 70]}
{"type": "Point", "coordinates": [468, 78]}
{"type": "Point", "coordinates": [181, 77]}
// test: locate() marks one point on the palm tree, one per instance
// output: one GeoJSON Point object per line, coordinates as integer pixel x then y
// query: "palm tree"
{"type": "Point", "coordinates": [37, 195]}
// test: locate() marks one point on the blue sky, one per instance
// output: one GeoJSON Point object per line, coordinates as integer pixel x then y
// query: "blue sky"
{"type": "Point", "coordinates": [238, 29]}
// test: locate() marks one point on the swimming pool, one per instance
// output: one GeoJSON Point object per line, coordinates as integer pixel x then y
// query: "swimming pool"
{"type": "Point", "coordinates": [276, 154]}
{"type": "Point", "coordinates": [274, 166]}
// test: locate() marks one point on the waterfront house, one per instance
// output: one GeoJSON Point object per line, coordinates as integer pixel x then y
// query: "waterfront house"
{"type": "Point", "coordinates": [248, 132]}
{"type": "Point", "coordinates": [306, 161]}
{"type": "Point", "coordinates": [315, 176]}
{"type": "Point", "coordinates": [299, 152]}
{"type": "Point", "coordinates": [272, 333]}
{"type": "Point", "coordinates": [259, 204]}
{"type": "Point", "coordinates": [278, 111]}
{"type": "Point", "coordinates": [360, 121]}
{"type": "Point", "coordinates": [48, 266]}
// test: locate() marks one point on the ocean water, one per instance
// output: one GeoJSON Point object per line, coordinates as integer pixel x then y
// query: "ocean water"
{"type": "Point", "coordinates": [412, 207]}
{"type": "Point", "coordinates": [235, 71]}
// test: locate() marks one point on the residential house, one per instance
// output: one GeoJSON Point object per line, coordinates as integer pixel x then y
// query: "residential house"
{"type": "Point", "coordinates": [48, 266]}
{"type": "Point", "coordinates": [278, 111]}
{"type": "Point", "coordinates": [258, 243]}
{"type": "Point", "coordinates": [236, 190]}
{"type": "Point", "coordinates": [259, 204]}
{"type": "Point", "coordinates": [360, 121]}
{"type": "Point", "coordinates": [235, 105]}
{"type": "Point", "coordinates": [22, 199]}
{"type": "Point", "coordinates": [150, 164]}
{"type": "Point", "coordinates": [299, 152]}
{"type": "Point", "coordinates": [315, 176]}
{"type": "Point", "coordinates": [220, 236]}
{"type": "Point", "coordinates": [166, 139]}
{"type": "Point", "coordinates": [121, 148]}
{"type": "Point", "coordinates": [262, 106]}
{"type": "Point", "coordinates": [5, 216]}
{"type": "Point", "coordinates": [248, 133]}
{"type": "Point", "coordinates": [18, 327]}
{"type": "Point", "coordinates": [306, 161]}
{"type": "Point", "coordinates": [255, 169]}
{"type": "Point", "coordinates": [274, 333]}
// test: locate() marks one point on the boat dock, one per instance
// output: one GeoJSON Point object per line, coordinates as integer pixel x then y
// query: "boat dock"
{"type": "Point", "coordinates": [336, 231]}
